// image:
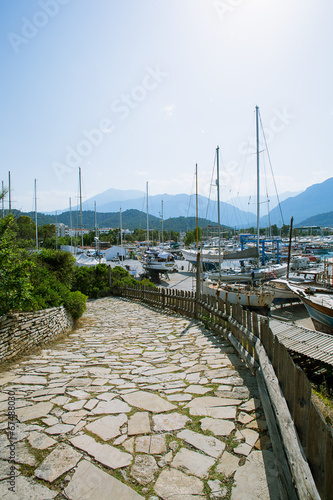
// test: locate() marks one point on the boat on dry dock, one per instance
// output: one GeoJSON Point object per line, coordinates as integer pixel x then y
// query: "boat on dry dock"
{"type": "Point", "coordinates": [255, 299]}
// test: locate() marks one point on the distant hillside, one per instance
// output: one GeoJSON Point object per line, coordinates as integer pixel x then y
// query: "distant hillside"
{"type": "Point", "coordinates": [316, 199]}
{"type": "Point", "coordinates": [131, 219]}
{"type": "Point", "coordinates": [179, 205]}
{"type": "Point", "coordinates": [322, 220]}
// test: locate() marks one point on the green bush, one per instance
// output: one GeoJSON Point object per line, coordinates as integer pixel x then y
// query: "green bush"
{"type": "Point", "coordinates": [58, 262]}
{"type": "Point", "coordinates": [75, 303]}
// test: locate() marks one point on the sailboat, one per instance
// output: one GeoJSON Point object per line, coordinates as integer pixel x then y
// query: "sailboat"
{"type": "Point", "coordinates": [156, 261]}
{"type": "Point", "coordinates": [250, 297]}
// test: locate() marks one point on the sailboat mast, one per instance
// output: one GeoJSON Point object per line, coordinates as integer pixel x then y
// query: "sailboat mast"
{"type": "Point", "coordinates": [218, 204]}
{"type": "Point", "coordinates": [147, 218]}
{"type": "Point", "coordinates": [9, 194]}
{"type": "Point", "coordinates": [3, 199]}
{"type": "Point", "coordinates": [196, 203]}
{"type": "Point", "coordinates": [162, 225]}
{"type": "Point", "coordinates": [36, 215]}
{"type": "Point", "coordinates": [121, 234]}
{"type": "Point", "coordinates": [70, 221]}
{"type": "Point", "coordinates": [258, 185]}
{"type": "Point", "coordinates": [81, 208]}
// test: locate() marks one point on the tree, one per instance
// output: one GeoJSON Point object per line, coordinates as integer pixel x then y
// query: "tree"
{"type": "Point", "coordinates": [191, 236]}
{"type": "Point", "coordinates": [15, 268]}
{"type": "Point", "coordinates": [26, 228]}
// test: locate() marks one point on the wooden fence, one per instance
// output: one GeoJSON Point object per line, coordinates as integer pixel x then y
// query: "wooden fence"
{"type": "Point", "coordinates": [301, 439]}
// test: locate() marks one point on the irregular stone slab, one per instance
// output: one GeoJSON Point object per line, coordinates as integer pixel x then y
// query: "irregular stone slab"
{"type": "Point", "coordinates": [107, 427]}
{"type": "Point", "coordinates": [59, 429]}
{"type": "Point", "coordinates": [79, 382]}
{"type": "Point", "coordinates": [155, 444]}
{"type": "Point", "coordinates": [5, 469]}
{"type": "Point", "coordinates": [91, 483]}
{"type": "Point", "coordinates": [174, 485]}
{"type": "Point", "coordinates": [31, 379]}
{"type": "Point", "coordinates": [138, 424]}
{"type": "Point", "coordinates": [27, 490]}
{"type": "Point", "coordinates": [250, 405]}
{"type": "Point", "coordinates": [60, 400]}
{"type": "Point", "coordinates": [249, 435]}
{"type": "Point", "coordinates": [217, 490]}
{"type": "Point", "coordinates": [211, 402]}
{"type": "Point", "coordinates": [128, 444]}
{"type": "Point", "coordinates": [22, 455]}
{"type": "Point", "coordinates": [192, 462]}
{"type": "Point", "coordinates": [103, 453]}
{"type": "Point", "coordinates": [91, 404]}
{"type": "Point", "coordinates": [79, 394]}
{"type": "Point", "coordinates": [257, 478]}
{"type": "Point", "coordinates": [197, 389]}
{"type": "Point", "coordinates": [148, 401]}
{"type": "Point", "coordinates": [179, 397]}
{"type": "Point", "coordinates": [144, 468]}
{"type": "Point", "coordinates": [224, 412]}
{"type": "Point", "coordinates": [228, 464]}
{"type": "Point", "coordinates": [114, 406]}
{"type": "Point", "coordinates": [73, 417]}
{"type": "Point", "coordinates": [62, 459]}
{"type": "Point", "coordinates": [219, 427]}
{"type": "Point", "coordinates": [50, 421]}
{"type": "Point", "coordinates": [208, 444]}
{"type": "Point", "coordinates": [33, 412]}
{"type": "Point", "coordinates": [77, 405]}
{"type": "Point", "coordinates": [107, 396]}
{"type": "Point", "coordinates": [169, 422]}
{"type": "Point", "coordinates": [39, 441]}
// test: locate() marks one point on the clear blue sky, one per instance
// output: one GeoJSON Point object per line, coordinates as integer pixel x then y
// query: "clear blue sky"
{"type": "Point", "coordinates": [141, 90]}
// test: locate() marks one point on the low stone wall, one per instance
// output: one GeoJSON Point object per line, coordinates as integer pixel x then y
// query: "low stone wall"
{"type": "Point", "coordinates": [20, 332]}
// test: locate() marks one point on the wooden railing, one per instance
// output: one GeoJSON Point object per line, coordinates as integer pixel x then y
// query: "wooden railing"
{"type": "Point", "coordinates": [301, 439]}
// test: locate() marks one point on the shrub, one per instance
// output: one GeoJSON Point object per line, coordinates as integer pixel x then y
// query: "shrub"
{"type": "Point", "coordinates": [75, 303]}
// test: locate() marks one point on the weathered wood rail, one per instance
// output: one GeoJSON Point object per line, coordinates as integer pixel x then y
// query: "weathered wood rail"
{"type": "Point", "coordinates": [301, 439]}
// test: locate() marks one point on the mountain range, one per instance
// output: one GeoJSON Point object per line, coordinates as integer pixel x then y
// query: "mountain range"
{"type": "Point", "coordinates": [315, 202]}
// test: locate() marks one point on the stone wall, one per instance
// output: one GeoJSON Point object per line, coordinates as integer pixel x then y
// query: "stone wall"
{"type": "Point", "coordinates": [20, 332]}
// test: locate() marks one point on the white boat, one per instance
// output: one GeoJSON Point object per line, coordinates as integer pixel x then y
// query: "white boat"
{"type": "Point", "coordinates": [282, 292]}
{"type": "Point", "coordinates": [255, 299]}
{"type": "Point", "coordinates": [319, 304]}
{"type": "Point", "coordinates": [156, 261]}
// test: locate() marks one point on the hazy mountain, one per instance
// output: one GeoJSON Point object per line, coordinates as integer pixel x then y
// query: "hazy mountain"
{"type": "Point", "coordinates": [316, 199]}
{"type": "Point", "coordinates": [179, 205]}
{"type": "Point", "coordinates": [249, 203]}
{"type": "Point", "coordinates": [322, 220]}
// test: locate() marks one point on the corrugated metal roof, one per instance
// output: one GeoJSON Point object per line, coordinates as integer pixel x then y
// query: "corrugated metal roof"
{"type": "Point", "coordinates": [316, 345]}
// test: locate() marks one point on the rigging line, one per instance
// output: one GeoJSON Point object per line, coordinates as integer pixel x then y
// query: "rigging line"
{"type": "Point", "coordinates": [250, 133]}
{"type": "Point", "coordinates": [270, 163]}
{"type": "Point", "coordinates": [211, 184]}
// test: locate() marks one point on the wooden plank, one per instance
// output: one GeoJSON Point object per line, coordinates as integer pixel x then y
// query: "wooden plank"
{"type": "Point", "coordinates": [286, 486]}
{"type": "Point", "coordinates": [302, 397]}
{"type": "Point", "coordinates": [317, 446]}
{"type": "Point", "coordinates": [289, 392]}
{"type": "Point", "coordinates": [329, 464]}
{"type": "Point", "coordinates": [298, 464]}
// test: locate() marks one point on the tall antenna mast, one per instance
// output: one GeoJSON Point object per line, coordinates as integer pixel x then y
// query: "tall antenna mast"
{"type": "Point", "coordinates": [36, 215]}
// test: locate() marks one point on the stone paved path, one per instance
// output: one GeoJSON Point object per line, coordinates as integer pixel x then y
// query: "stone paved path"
{"type": "Point", "coordinates": [135, 404]}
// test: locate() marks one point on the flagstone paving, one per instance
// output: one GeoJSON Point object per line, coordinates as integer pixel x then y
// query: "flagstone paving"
{"type": "Point", "coordinates": [134, 404]}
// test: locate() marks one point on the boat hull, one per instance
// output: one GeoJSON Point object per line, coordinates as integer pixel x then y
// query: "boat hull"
{"type": "Point", "coordinates": [253, 300]}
